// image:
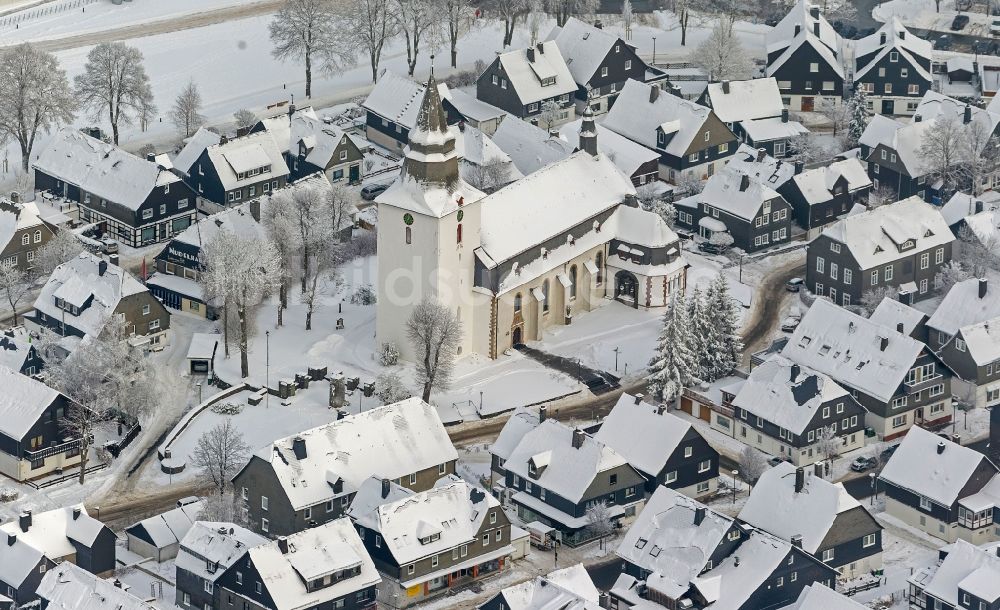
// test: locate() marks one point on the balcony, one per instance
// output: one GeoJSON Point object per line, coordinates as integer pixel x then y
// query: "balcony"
{"type": "Point", "coordinates": [41, 454]}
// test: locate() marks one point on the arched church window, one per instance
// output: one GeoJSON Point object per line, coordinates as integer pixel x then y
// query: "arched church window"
{"type": "Point", "coordinates": [545, 294]}
{"type": "Point", "coordinates": [517, 302]}
{"type": "Point", "coordinates": [572, 282]}
{"type": "Point", "coordinates": [409, 235]}
{"type": "Point", "coordinates": [599, 261]}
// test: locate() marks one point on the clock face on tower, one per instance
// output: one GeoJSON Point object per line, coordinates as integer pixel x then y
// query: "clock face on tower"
{"type": "Point", "coordinates": [461, 214]}
{"type": "Point", "coordinates": [408, 218]}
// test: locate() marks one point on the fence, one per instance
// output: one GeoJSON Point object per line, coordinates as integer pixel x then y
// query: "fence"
{"type": "Point", "coordinates": [75, 473]}
{"type": "Point", "coordinates": [20, 17]}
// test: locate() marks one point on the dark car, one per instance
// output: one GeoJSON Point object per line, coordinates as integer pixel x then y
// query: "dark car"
{"type": "Point", "coordinates": [888, 451]}
{"type": "Point", "coordinates": [862, 464]}
{"type": "Point", "coordinates": [709, 248]}
{"type": "Point", "coordinates": [795, 284]}
{"type": "Point", "coordinates": [959, 22]}
{"type": "Point", "coordinates": [942, 42]}
{"type": "Point", "coordinates": [372, 191]}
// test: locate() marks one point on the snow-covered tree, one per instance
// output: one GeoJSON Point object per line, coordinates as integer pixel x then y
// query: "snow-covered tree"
{"type": "Point", "coordinates": [941, 150]}
{"type": "Point", "coordinates": [549, 116]}
{"type": "Point", "coordinates": [753, 463]}
{"type": "Point", "coordinates": [828, 444]}
{"type": "Point", "coordinates": [61, 247]}
{"type": "Point", "coordinates": [857, 116]}
{"type": "Point", "coordinates": [390, 388]}
{"type": "Point", "coordinates": [459, 18]}
{"type": "Point", "coordinates": [562, 10]}
{"type": "Point", "coordinates": [186, 112]}
{"type": "Point", "coordinates": [653, 201]}
{"type": "Point", "coordinates": [950, 274]}
{"type": "Point", "coordinates": [979, 157]}
{"type": "Point", "coordinates": [978, 255]}
{"type": "Point", "coordinates": [227, 507]}
{"type": "Point", "coordinates": [35, 96]}
{"type": "Point", "coordinates": [114, 84]}
{"type": "Point", "coordinates": [220, 453]}
{"type": "Point", "coordinates": [720, 238]}
{"type": "Point", "coordinates": [15, 284]}
{"type": "Point", "coordinates": [311, 31]}
{"type": "Point", "coordinates": [700, 322]}
{"type": "Point", "coordinates": [418, 19]}
{"type": "Point", "coordinates": [690, 184]}
{"type": "Point", "coordinates": [369, 24]}
{"type": "Point", "coordinates": [388, 354]}
{"type": "Point", "coordinates": [674, 365]}
{"type": "Point", "coordinates": [872, 297]}
{"type": "Point", "coordinates": [881, 196]}
{"type": "Point", "coordinates": [435, 332]}
{"type": "Point", "coordinates": [599, 523]}
{"type": "Point", "coordinates": [721, 55]}
{"type": "Point", "coordinates": [241, 271]}
{"type": "Point", "coordinates": [282, 227]}
{"type": "Point", "coordinates": [725, 345]}
{"type": "Point", "coordinates": [535, 19]}
{"type": "Point", "coordinates": [489, 175]}
{"type": "Point", "coordinates": [808, 148]}
{"type": "Point", "coordinates": [245, 120]}
{"type": "Point", "coordinates": [509, 11]}
{"type": "Point", "coordinates": [627, 19]}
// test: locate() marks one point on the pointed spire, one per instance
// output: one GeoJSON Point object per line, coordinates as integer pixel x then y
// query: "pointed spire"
{"type": "Point", "coordinates": [432, 117]}
{"type": "Point", "coordinates": [588, 133]}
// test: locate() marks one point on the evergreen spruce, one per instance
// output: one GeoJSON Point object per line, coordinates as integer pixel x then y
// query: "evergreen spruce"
{"type": "Point", "coordinates": [725, 346]}
{"type": "Point", "coordinates": [674, 365]}
{"type": "Point", "coordinates": [857, 116]}
{"type": "Point", "coordinates": [701, 333]}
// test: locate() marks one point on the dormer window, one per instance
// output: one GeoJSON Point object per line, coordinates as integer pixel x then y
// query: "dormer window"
{"type": "Point", "coordinates": [432, 538]}
{"type": "Point", "coordinates": [548, 80]}
{"type": "Point", "coordinates": [906, 245]}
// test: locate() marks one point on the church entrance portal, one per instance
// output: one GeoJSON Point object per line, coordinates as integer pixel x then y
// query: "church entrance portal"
{"type": "Point", "coordinates": [627, 288]}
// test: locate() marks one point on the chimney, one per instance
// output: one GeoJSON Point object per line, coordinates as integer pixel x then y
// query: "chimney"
{"type": "Point", "coordinates": [916, 118]}
{"type": "Point", "coordinates": [818, 469]}
{"type": "Point", "coordinates": [654, 93]}
{"type": "Point", "coordinates": [553, 132]}
{"type": "Point", "coordinates": [24, 521]}
{"type": "Point", "coordinates": [599, 25]}
{"type": "Point", "coordinates": [255, 209]}
{"type": "Point", "coordinates": [223, 139]}
{"type": "Point", "coordinates": [11, 539]}
{"type": "Point", "coordinates": [15, 197]}
{"type": "Point", "coordinates": [661, 409]}
{"type": "Point", "coordinates": [102, 267]}
{"type": "Point", "coordinates": [940, 448]}
{"type": "Point", "coordinates": [638, 398]}
{"type": "Point", "coordinates": [800, 480]}
{"type": "Point", "coordinates": [798, 28]}
{"type": "Point", "coordinates": [814, 12]}
{"type": "Point", "coordinates": [725, 87]}
{"type": "Point", "coordinates": [604, 600]}
{"type": "Point", "coordinates": [797, 541]}
{"type": "Point", "coordinates": [118, 584]}
{"type": "Point", "coordinates": [736, 561]}
{"type": "Point", "coordinates": [881, 38]}
{"type": "Point", "coordinates": [385, 488]}
{"type": "Point", "coordinates": [979, 207]}
{"type": "Point", "coordinates": [283, 545]}
{"type": "Point", "coordinates": [967, 117]}
{"type": "Point", "coordinates": [799, 166]}
{"type": "Point", "coordinates": [883, 342]}
{"type": "Point", "coordinates": [299, 448]}
{"type": "Point", "coordinates": [744, 182]}
{"type": "Point", "coordinates": [577, 439]}
{"type": "Point", "coordinates": [76, 513]}
{"type": "Point", "coordinates": [542, 412]}
{"type": "Point", "coordinates": [982, 287]}
{"type": "Point", "coordinates": [151, 157]}
{"type": "Point", "coordinates": [541, 48]}
{"type": "Point", "coordinates": [588, 133]}
{"type": "Point", "coordinates": [901, 34]}
{"type": "Point", "coordinates": [900, 328]}
{"type": "Point", "coordinates": [784, 115]}
{"type": "Point", "coordinates": [794, 372]}
{"type": "Point", "coordinates": [761, 153]}
{"type": "Point", "coordinates": [816, 27]}
{"type": "Point", "coordinates": [531, 54]}
{"type": "Point", "coordinates": [699, 515]}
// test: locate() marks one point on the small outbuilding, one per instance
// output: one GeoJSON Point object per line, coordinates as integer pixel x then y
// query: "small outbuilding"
{"type": "Point", "coordinates": [201, 353]}
{"type": "Point", "coordinates": [159, 536]}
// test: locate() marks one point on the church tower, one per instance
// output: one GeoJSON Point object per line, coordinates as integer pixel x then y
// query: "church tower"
{"type": "Point", "coordinates": [428, 227]}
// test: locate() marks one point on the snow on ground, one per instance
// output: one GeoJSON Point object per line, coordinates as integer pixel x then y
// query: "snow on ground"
{"type": "Point", "coordinates": [921, 14]}
{"type": "Point", "coordinates": [145, 578]}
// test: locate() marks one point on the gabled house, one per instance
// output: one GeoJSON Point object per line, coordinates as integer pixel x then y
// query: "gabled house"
{"type": "Point", "coordinates": [897, 379]}
{"type": "Point", "coordinates": [754, 111]}
{"type": "Point", "coordinates": [233, 171]}
{"type": "Point", "coordinates": [18, 353]}
{"type": "Point", "coordinates": [905, 319]}
{"type": "Point", "coordinates": [525, 81]}
{"type": "Point", "coordinates": [805, 55]}
{"type": "Point", "coordinates": [567, 588]}
{"type": "Point", "coordinates": [483, 162]}
{"type": "Point", "coordinates": [807, 510]}
{"type": "Point", "coordinates": [821, 597]}
{"type": "Point", "coordinates": [750, 211]}
{"type": "Point", "coordinates": [764, 168]}
{"type": "Point", "coordinates": [310, 478]}
{"type": "Point", "coordinates": [462, 107]}
{"type": "Point", "coordinates": [22, 233]}
{"type": "Point", "coordinates": [964, 577]}
{"type": "Point", "coordinates": [556, 473]}
{"type": "Point", "coordinates": [311, 145]}
{"type": "Point", "coordinates": [32, 440]}
{"type": "Point", "coordinates": [323, 568]}
{"type": "Point", "coordinates": [193, 148]}
{"type": "Point", "coordinates": [634, 160]}
{"type": "Point", "coordinates": [68, 587]}
{"type": "Point", "coordinates": [35, 543]}
{"type": "Point", "coordinates": [968, 302]}
{"type": "Point", "coordinates": [434, 541]}
{"type": "Point", "coordinates": [391, 109]}
{"type": "Point", "coordinates": [901, 245]}
{"type": "Point", "coordinates": [531, 148]}
{"type": "Point", "coordinates": [794, 413]}
{"type": "Point", "coordinates": [664, 448]}
{"type": "Point", "coordinates": [942, 488]}
{"type": "Point", "coordinates": [136, 201]}
{"type": "Point", "coordinates": [204, 557]}
{"type": "Point", "coordinates": [521, 421]}
{"type": "Point", "coordinates": [822, 195]}
{"type": "Point", "coordinates": [159, 537]}
{"type": "Point", "coordinates": [600, 62]}
{"type": "Point", "coordinates": [894, 67]}
{"type": "Point", "coordinates": [691, 140]}
{"type": "Point", "coordinates": [83, 293]}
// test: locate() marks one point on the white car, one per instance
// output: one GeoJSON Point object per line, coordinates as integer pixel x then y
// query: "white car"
{"type": "Point", "coordinates": [790, 323]}
{"type": "Point", "coordinates": [995, 27]}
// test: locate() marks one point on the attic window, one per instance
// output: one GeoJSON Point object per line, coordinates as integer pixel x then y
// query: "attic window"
{"type": "Point", "coordinates": [929, 233]}
{"type": "Point", "coordinates": [640, 543]}
{"type": "Point", "coordinates": [805, 341]}
{"type": "Point", "coordinates": [878, 249]}
{"type": "Point", "coordinates": [655, 551]}
{"type": "Point", "coordinates": [548, 80]}
{"type": "Point", "coordinates": [824, 350]}
{"type": "Point", "coordinates": [431, 538]}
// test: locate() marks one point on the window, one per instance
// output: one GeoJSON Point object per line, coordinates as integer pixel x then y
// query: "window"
{"type": "Point", "coordinates": [913, 89]}
{"type": "Point", "coordinates": [613, 479]}
{"type": "Point", "coordinates": [494, 78]}
{"type": "Point", "coordinates": [834, 247]}
{"type": "Point", "coordinates": [826, 412]}
{"type": "Point", "coordinates": [265, 525]}
{"type": "Point", "coordinates": [702, 487]}
{"type": "Point", "coordinates": [148, 212]}
{"type": "Point", "coordinates": [888, 272]}
{"type": "Point", "coordinates": [257, 587]}
{"type": "Point", "coordinates": [442, 468]}
{"type": "Point", "coordinates": [899, 421]}
{"type": "Point", "coordinates": [819, 289]}
{"type": "Point", "coordinates": [814, 67]}
{"type": "Point", "coordinates": [503, 83]}
{"type": "Point", "coordinates": [925, 503]}
{"type": "Point", "coordinates": [960, 345]}
{"type": "Point", "coordinates": [780, 582]}
{"type": "Point", "coordinates": [628, 63]}
{"type": "Point", "coordinates": [409, 569]}
{"type": "Point", "coordinates": [409, 236]}
{"type": "Point", "coordinates": [307, 513]}
{"type": "Point", "coordinates": [925, 260]}
{"type": "Point", "coordinates": [828, 555]}
{"type": "Point", "coordinates": [688, 451]}
{"type": "Point", "coordinates": [671, 477]}
{"type": "Point", "coordinates": [874, 277]}
{"type": "Point", "coordinates": [25, 239]}
{"type": "Point", "coordinates": [572, 280]}
{"type": "Point", "coordinates": [458, 233]}
{"type": "Point", "coordinates": [904, 72]}
{"type": "Point", "coordinates": [693, 157]}
{"type": "Point", "coordinates": [187, 598]}
{"type": "Point", "coordinates": [517, 302]}
{"type": "Point", "coordinates": [704, 466]}
{"type": "Point", "coordinates": [38, 236]}
{"type": "Point", "coordinates": [343, 155]}
{"type": "Point", "coordinates": [378, 541]}
{"type": "Point", "coordinates": [708, 135]}
{"type": "Point", "coordinates": [413, 478]}
{"type": "Point", "coordinates": [486, 539]}
{"type": "Point", "coordinates": [935, 390]}
{"type": "Point", "coordinates": [848, 276]}
{"type": "Point", "coordinates": [208, 586]}
{"type": "Point", "coordinates": [834, 271]}
{"type": "Point", "coordinates": [264, 502]}
{"type": "Point", "coordinates": [533, 107]}
{"type": "Point", "coordinates": [820, 264]}
{"type": "Point", "coordinates": [899, 402]}
{"type": "Point", "coordinates": [794, 575]}
{"type": "Point", "coordinates": [145, 309]}
{"type": "Point", "coordinates": [154, 325]}
{"type": "Point", "coordinates": [809, 84]}
{"type": "Point", "coordinates": [163, 208]}
{"type": "Point", "coordinates": [828, 85]}
{"type": "Point", "coordinates": [629, 492]}
{"type": "Point", "coordinates": [434, 561]}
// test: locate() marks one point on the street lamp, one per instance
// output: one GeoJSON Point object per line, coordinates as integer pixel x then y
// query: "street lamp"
{"type": "Point", "coordinates": [267, 369]}
{"type": "Point", "coordinates": [654, 51]}
{"type": "Point", "coordinates": [616, 350]}
{"type": "Point", "coordinates": [871, 477]}
{"type": "Point", "coordinates": [735, 483]}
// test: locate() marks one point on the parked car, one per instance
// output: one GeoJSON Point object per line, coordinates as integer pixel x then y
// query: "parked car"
{"type": "Point", "coordinates": [942, 42]}
{"type": "Point", "coordinates": [372, 191]}
{"type": "Point", "coordinates": [863, 463]}
{"type": "Point", "coordinates": [888, 451]}
{"type": "Point", "coordinates": [790, 323]}
{"type": "Point", "coordinates": [710, 248]}
{"type": "Point", "coordinates": [109, 246]}
{"type": "Point", "coordinates": [959, 23]}
{"type": "Point", "coordinates": [774, 461]}
{"type": "Point", "coordinates": [995, 27]}
{"type": "Point", "coordinates": [795, 284]}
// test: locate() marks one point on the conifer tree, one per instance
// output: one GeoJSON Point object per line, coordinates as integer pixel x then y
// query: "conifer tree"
{"type": "Point", "coordinates": [857, 116]}
{"type": "Point", "coordinates": [701, 333]}
{"type": "Point", "coordinates": [725, 346]}
{"type": "Point", "coordinates": [674, 365]}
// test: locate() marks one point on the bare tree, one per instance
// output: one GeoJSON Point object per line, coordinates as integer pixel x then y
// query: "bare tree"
{"type": "Point", "coordinates": [721, 55]}
{"type": "Point", "coordinates": [871, 298]}
{"type": "Point", "coordinates": [114, 82]}
{"type": "Point", "coordinates": [682, 8]}
{"type": "Point", "coordinates": [828, 444]}
{"type": "Point", "coordinates": [489, 175]}
{"type": "Point", "coordinates": [881, 196]}
{"type": "Point", "coordinates": [950, 274]}
{"type": "Point", "coordinates": [978, 255]}
{"type": "Point", "coordinates": [627, 19]}
{"type": "Point", "coordinates": [562, 10]}
{"type": "Point", "coordinates": [808, 148]}
{"type": "Point", "coordinates": [242, 271]}
{"type": "Point", "coordinates": [15, 284]}
{"type": "Point", "coordinates": [940, 150]}
{"type": "Point", "coordinates": [653, 201]}
{"type": "Point", "coordinates": [435, 333]}
{"type": "Point", "coordinates": [979, 156]}
{"type": "Point", "coordinates": [535, 19]}
{"type": "Point", "coordinates": [550, 114]}
{"type": "Point", "coordinates": [282, 227]}
{"type": "Point", "coordinates": [459, 17]}
{"type": "Point", "coordinates": [220, 453]}
{"type": "Point", "coordinates": [34, 96]}
{"type": "Point", "coordinates": [599, 523]}
{"type": "Point", "coordinates": [369, 24]}
{"type": "Point", "coordinates": [61, 247]}
{"type": "Point", "coordinates": [311, 31]}
{"type": "Point", "coordinates": [226, 507]}
{"type": "Point", "coordinates": [837, 112]}
{"type": "Point", "coordinates": [186, 112]}
{"type": "Point", "coordinates": [753, 463]}
{"type": "Point", "coordinates": [245, 119]}
{"type": "Point", "coordinates": [509, 12]}
{"type": "Point", "coordinates": [417, 20]}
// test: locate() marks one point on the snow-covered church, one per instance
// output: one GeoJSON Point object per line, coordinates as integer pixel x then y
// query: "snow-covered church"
{"type": "Point", "coordinates": [561, 241]}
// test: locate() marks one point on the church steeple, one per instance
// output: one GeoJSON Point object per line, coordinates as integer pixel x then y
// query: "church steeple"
{"type": "Point", "coordinates": [430, 156]}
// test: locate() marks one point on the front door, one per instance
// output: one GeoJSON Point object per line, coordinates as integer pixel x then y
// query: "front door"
{"type": "Point", "coordinates": [808, 103]}
{"type": "Point", "coordinates": [627, 288]}
{"type": "Point", "coordinates": [354, 174]}
{"type": "Point", "coordinates": [888, 107]}
{"type": "Point", "coordinates": [517, 337]}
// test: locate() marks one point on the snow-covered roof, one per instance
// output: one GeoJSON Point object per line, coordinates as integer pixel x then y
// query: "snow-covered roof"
{"type": "Point", "coordinates": [776, 507]}
{"type": "Point", "coordinates": [985, 227]}
{"type": "Point", "coordinates": [816, 185]}
{"type": "Point", "coordinates": [880, 130]}
{"type": "Point", "coordinates": [570, 471]}
{"type": "Point", "coordinates": [15, 348]}
{"type": "Point", "coordinates": [101, 169]}
{"type": "Point", "coordinates": [983, 341]}
{"type": "Point", "coordinates": [312, 554]}
{"type": "Point", "coordinates": [371, 494]}
{"type": "Point", "coordinates": [962, 205]}
{"type": "Point", "coordinates": [82, 274]}
{"type": "Point", "coordinates": [390, 441]}
{"type": "Point", "coordinates": [554, 590]}
{"type": "Point", "coordinates": [918, 465]}
{"type": "Point", "coordinates": [167, 528]}
{"type": "Point", "coordinates": [196, 144]}
{"type": "Point", "coordinates": [761, 166]}
{"type": "Point", "coordinates": [22, 402]}
{"type": "Point", "coordinates": [398, 98]}
{"type": "Point", "coordinates": [629, 156]}
{"type": "Point", "coordinates": [477, 148]}
{"type": "Point", "coordinates": [848, 348]}
{"type": "Point", "coordinates": [757, 98]}
{"type": "Point", "coordinates": [68, 587]}
{"type": "Point", "coordinates": [962, 306]}
{"type": "Point", "coordinates": [891, 312]}
{"type": "Point", "coordinates": [828, 43]}
{"type": "Point", "coordinates": [766, 130]}
{"type": "Point", "coordinates": [53, 532]}
{"type": "Point", "coordinates": [280, 125]}
{"type": "Point", "coordinates": [727, 191]}
{"type": "Point", "coordinates": [897, 38]}
{"type": "Point", "coordinates": [666, 541]}
{"type": "Point", "coordinates": [219, 544]}
{"type": "Point", "coordinates": [250, 152]}
{"type": "Point", "coordinates": [574, 189]}
{"type": "Point", "coordinates": [16, 217]}
{"type": "Point", "coordinates": [770, 392]}
{"type": "Point", "coordinates": [737, 577]}
{"type": "Point", "coordinates": [431, 199]}
{"type": "Point", "coordinates": [526, 75]}
{"type": "Point", "coordinates": [471, 107]}
{"type": "Point", "coordinates": [520, 422]}
{"type": "Point", "coordinates": [876, 236]}
{"type": "Point", "coordinates": [818, 596]}
{"type": "Point", "coordinates": [965, 565]}
{"type": "Point", "coordinates": [638, 113]}
{"type": "Point", "coordinates": [642, 434]}
{"type": "Point", "coordinates": [320, 139]}
{"type": "Point", "coordinates": [584, 47]}
{"type": "Point", "coordinates": [529, 147]}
